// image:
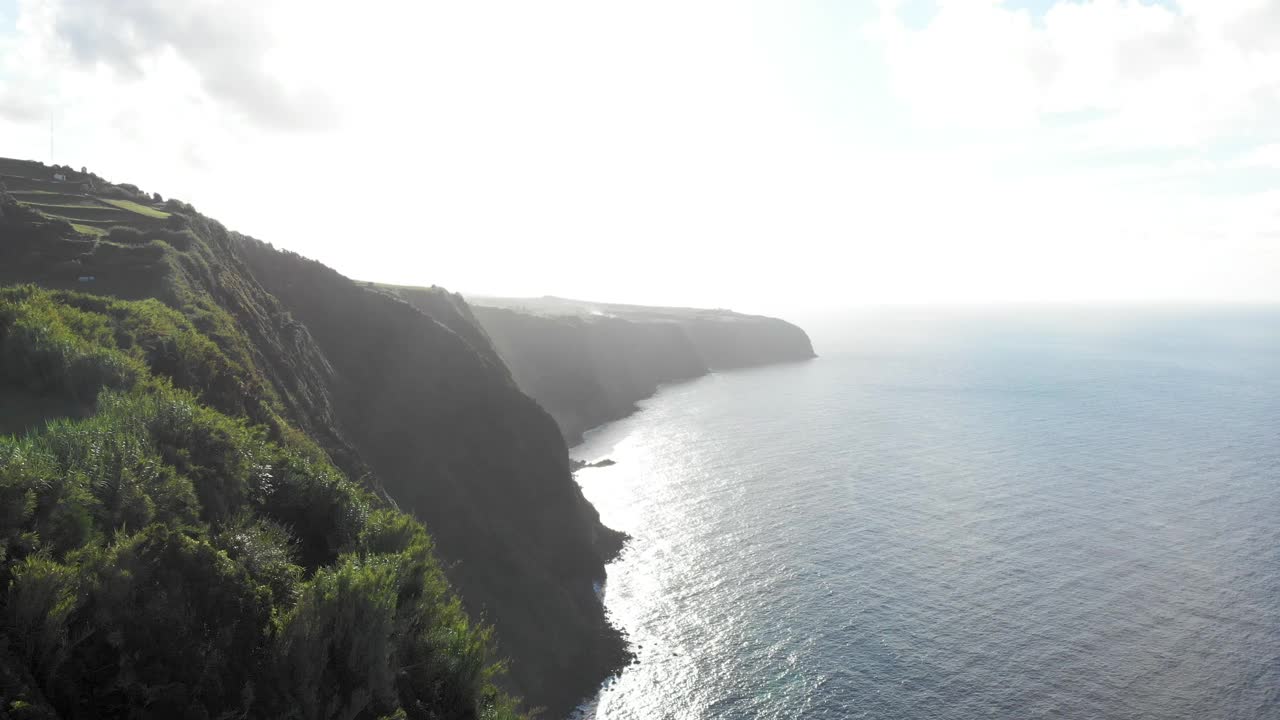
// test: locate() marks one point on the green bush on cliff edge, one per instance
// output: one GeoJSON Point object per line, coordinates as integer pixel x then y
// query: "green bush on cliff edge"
{"type": "Point", "coordinates": [159, 558]}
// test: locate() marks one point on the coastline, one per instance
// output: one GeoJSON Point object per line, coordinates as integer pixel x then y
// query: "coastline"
{"type": "Point", "coordinates": [605, 459]}
{"type": "Point", "coordinates": [579, 438]}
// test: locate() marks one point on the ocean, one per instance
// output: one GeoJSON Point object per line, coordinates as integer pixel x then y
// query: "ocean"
{"type": "Point", "coordinates": [1042, 513]}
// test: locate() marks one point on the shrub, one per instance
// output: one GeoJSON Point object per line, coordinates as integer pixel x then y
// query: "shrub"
{"type": "Point", "coordinates": [126, 235]}
{"type": "Point", "coordinates": [175, 205]}
{"type": "Point", "coordinates": [266, 551]}
{"type": "Point", "coordinates": [171, 624]}
{"type": "Point", "coordinates": [41, 598]}
{"type": "Point", "coordinates": [56, 349]}
{"type": "Point", "coordinates": [168, 538]}
{"type": "Point", "coordinates": [166, 558]}
{"type": "Point", "coordinates": [177, 237]}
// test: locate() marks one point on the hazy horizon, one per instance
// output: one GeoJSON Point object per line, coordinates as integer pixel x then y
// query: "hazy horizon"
{"type": "Point", "coordinates": [766, 157]}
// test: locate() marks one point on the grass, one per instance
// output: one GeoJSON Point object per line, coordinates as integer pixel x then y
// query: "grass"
{"type": "Point", "coordinates": [49, 196]}
{"type": "Point", "coordinates": [82, 214]}
{"type": "Point", "coordinates": [135, 207]}
{"type": "Point", "coordinates": [104, 226]}
{"type": "Point", "coordinates": [84, 211]}
{"type": "Point", "coordinates": [16, 182]}
{"type": "Point", "coordinates": [88, 229]}
{"type": "Point", "coordinates": [87, 203]}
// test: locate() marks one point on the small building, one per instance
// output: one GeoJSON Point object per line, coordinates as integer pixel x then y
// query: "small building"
{"type": "Point", "coordinates": [86, 278]}
{"type": "Point", "coordinates": [60, 177]}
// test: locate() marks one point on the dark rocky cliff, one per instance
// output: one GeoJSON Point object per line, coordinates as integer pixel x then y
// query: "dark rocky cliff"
{"type": "Point", "coordinates": [586, 372]}
{"type": "Point", "coordinates": [589, 363]}
{"type": "Point", "coordinates": [451, 438]}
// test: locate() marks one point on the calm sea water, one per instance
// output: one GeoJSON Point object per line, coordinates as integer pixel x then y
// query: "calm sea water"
{"type": "Point", "coordinates": [1056, 514]}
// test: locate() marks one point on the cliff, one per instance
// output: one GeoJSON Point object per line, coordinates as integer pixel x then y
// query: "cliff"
{"type": "Point", "coordinates": [429, 405]}
{"type": "Point", "coordinates": [413, 405]}
{"type": "Point", "coordinates": [589, 363]}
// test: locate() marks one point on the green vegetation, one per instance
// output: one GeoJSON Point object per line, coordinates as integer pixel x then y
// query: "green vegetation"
{"type": "Point", "coordinates": [88, 229]}
{"type": "Point", "coordinates": [18, 183]}
{"type": "Point", "coordinates": [137, 208]}
{"type": "Point", "coordinates": [161, 558]}
{"type": "Point", "coordinates": [44, 197]}
{"type": "Point", "coordinates": [85, 214]}
{"type": "Point", "coordinates": [63, 205]}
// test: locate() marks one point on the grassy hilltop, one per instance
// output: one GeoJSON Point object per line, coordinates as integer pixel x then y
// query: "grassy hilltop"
{"type": "Point", "coordinates": [84, 201]}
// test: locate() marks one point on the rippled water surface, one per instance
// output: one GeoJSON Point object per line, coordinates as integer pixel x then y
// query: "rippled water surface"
{"type": "Point", "coordinates": [1074, 515]}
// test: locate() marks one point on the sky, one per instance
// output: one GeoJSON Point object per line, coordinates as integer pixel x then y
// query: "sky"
{"type": "Point", "coordinates": [763, 155]}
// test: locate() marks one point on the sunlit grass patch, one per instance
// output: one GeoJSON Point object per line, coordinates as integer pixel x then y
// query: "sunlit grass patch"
{"type": "Point", "coordinates": [135, 207]}
{"type": "Point", "coordinates": [88, 229]}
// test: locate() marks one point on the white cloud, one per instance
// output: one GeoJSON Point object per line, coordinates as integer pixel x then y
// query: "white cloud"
{"type": "Point", "coordinates": [1148, 74]}
{"type": "Point", "coordinates": [230, 47]}
{"type": "Point", "coordinates": [665, 152]}
{"type": "Point", "coordinates": [1263, 156]}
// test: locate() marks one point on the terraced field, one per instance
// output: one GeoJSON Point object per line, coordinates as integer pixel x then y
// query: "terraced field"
{"type": "Point", "coordinates": [87, 213]}
{"type": "Point", "coordinates": [136, 208]}
{"type": "Point", "coordinates": [50, 197]}
{"type": "Point", "coordinates": [88, 229]}
{"type": "Point", "coordinates": [126, 265]}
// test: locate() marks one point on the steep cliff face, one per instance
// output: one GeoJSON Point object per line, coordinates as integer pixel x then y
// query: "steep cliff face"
{"type": "Point", "coordinates": [589, 363]}
{"type": "Point", "coordinates": [414, 402]}
{"type": "Point", "coordinates": [452, 311]}
{"type": "Point", "coordinates": [435, 414]}
{"type": "Point", "coordinates": [588, 371]}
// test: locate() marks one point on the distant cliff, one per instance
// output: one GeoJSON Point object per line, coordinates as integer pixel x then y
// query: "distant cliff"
{"type": "Point", "coordinates": [589, 363]}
